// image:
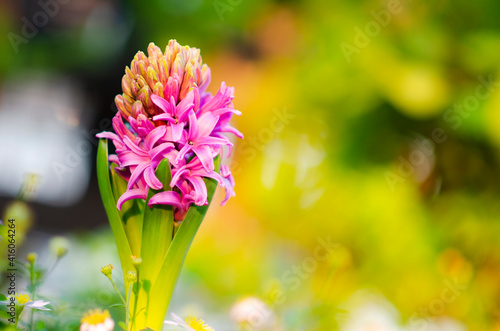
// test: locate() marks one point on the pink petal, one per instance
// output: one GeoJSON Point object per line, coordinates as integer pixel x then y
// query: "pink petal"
{"type": "Point", "coordinates": [162, 104]}
{"type": "Point", "coordinates": [214, 141]}
{"type": "Point", "coordinates": [228, 183]}
{"type": "Point", "coordinates": [186, 148]}
{"type": "Point", "coordinates": [177, 131]}
{"type": "Point", "coordinates": [205, 79]}
{"type": "Point", "coordinates": [193, 126]}
{"type": "Point", "coordinates": [177, 176]}
{"type": "Point", "coordinates": [204, 153]}
{"type": "Point", "coordinates": [223, 98]}
{"type": "Point", "coordinates": [185, 105]}
{"type": "Point", "coordinates": [128, 158]}
{"type": "Point", "coordinates": [232, 130]}
{"type": "Point", "coordinates": [164, 117]}
{"type": "Point", "coordinates": [224, 111]}
{"type": "Point", "coordinates": [206, 124]}
{"type": "Point", "coordinates": [166, 198]}
{"type": "Point", "coordinates": [154, 136]}
{"type": "Point", "coordinates": [200, 189]}
{"type": "Point", "coordinates": [108, 135]}
{"type": "Point", "coordinates": [120, 128]}
{"type": "Point", "coordinates": [136, 174]}
{"type": "Point", "coordinates": [131, 194]}
{"type": "Point", "coordinates": [203, 173]}
{"type": "Point", "coordinates": [114, 159]}
{"type": "Point", "coordinates": [133, 147]}
{"type": "Point", "coordinates": [151, 179]}
{"type": "Point", "coordinates": [196, 100]}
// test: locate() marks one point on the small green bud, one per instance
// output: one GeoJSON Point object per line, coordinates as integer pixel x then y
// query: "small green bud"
{"type": "Point", "coordinates": [31, 258]}
{"type": "Point", "coordinates": [106, 270]}
{"type": "Point", "coordinates": [131, 276]}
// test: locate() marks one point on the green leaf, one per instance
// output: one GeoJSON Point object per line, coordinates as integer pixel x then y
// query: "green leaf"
{"type": "Point", "coordinates": [109, 202]}
{"type": "Point", "coordinates": [117, 305]}
{"type": "Point", "coordinates": [123, 326]}
{"type": "Point", "coordinates": [5, 314]}
{"type": "Point", "coordinates": [176, 254]}
{"type": "Point", "coordinates": [157, 231]}
{"type": "Point", "coordinates": [131, 213]}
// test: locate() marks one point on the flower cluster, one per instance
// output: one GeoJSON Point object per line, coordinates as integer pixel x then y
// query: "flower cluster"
{"type": "Point", "coordinates": [165, 112]}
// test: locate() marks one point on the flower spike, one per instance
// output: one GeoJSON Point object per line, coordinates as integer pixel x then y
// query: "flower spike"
{"type": "Point", "coordinates": [165, 112]}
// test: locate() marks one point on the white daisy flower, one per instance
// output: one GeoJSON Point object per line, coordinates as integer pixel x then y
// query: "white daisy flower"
{"type": "Point", "coordinates": [97, 320]}
{"type": "Point", "coordinates": [368, 311]}
{"type": "Point", "coordinates": [191, 323]}
{"type": "Point", "coordinates": [253, 312]}
{"type": "Point", "coordinates": [25, 300]}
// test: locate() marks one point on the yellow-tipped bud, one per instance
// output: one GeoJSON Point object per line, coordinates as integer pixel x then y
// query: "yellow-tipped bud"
{"type": "Point", "coordinates": [131, 276]}
{"type": "Point", "coordinates": [59, 246]}
{"type": "Point", "coordinates": [31, 258]}
{"type": "Point", "coordinates": [148, 73]}
{"type": "Point", "coordinates": [106, 270]}
{"type": "Point", "coordinates": [138, 109]}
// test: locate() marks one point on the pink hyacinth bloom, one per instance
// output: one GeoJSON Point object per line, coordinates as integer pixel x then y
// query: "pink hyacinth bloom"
{"type": "Point", "coordinates": [171, 116]}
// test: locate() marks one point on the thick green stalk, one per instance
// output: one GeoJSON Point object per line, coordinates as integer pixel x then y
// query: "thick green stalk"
{"type": "Point", "coordinates": [156, 237]}
{"type": "Point", "coordinates": [164, 285]}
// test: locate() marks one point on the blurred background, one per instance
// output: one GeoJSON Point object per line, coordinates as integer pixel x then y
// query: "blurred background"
{"type": "Point", "coordinates": [367, 185]}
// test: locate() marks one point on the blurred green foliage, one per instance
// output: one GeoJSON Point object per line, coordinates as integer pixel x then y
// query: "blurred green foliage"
{"type": "Point", "coordinates": [335, 169]}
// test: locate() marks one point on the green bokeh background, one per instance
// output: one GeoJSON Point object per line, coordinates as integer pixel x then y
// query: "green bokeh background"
{"type": "Point", "coordinates": [356, 161]}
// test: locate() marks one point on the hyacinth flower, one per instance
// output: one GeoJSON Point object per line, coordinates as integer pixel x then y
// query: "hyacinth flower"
{"type": "Point", "coordinates": [170, 137]}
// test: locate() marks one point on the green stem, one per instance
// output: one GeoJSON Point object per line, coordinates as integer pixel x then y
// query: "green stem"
{"type": "Point", "coordinates": [33, 287]}
{"type": "Point", "coordinates": [127, 312]}
{"type": "Point", "coordinates": [50, 270]}
{"type": "Point", "coordinates": [136, 299]}
{"type": "Point", "coordinates": [116, 289]}
{"type": "Point", "coordinates": [32, 313]}
{"type": "Point", "coordinates": [18, 315]}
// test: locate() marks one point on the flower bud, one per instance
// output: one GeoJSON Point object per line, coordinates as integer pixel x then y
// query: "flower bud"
{"type": "Point", "coordinates": [120, 104]}
{"type": "Point", "coordinates": [106, 270]}
{"type": "Point", "coordinates": [158, 89]}
{"type": "Point", "coordinates": [31, 258]}
{"type": "Point", "coordinates": [137, 109]}
{"type": "Point", "coordinates": [136, 261]}
{"type": "Point", "coordinates": [149, 74]}
{"type": "Point", "coordinates": [131, 276]}
{"type": "Point", "coordinates": [59, 246]}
